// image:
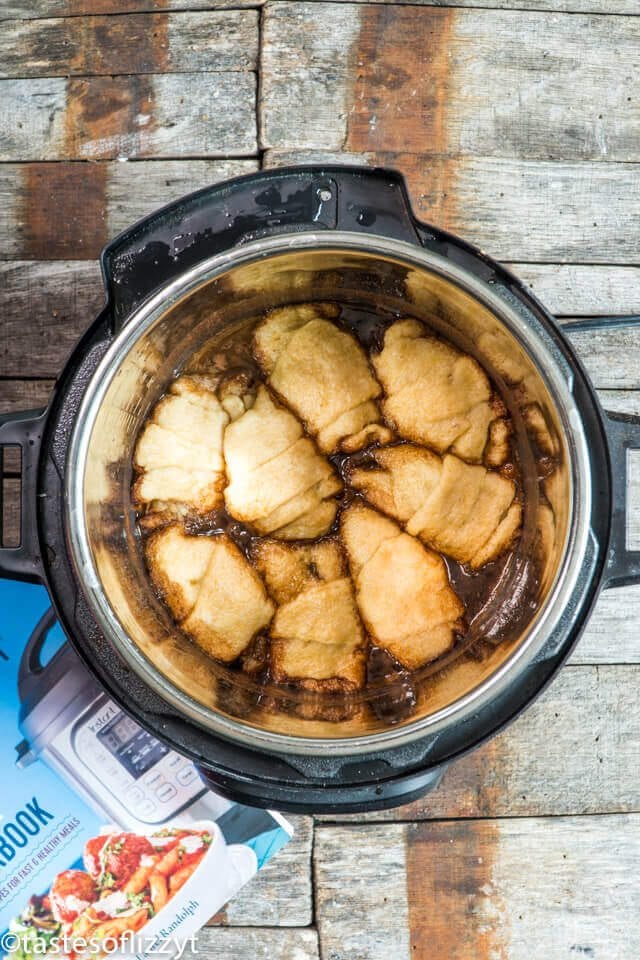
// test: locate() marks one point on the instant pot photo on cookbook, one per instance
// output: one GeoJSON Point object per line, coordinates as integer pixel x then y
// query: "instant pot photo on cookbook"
{"type": "Point", "coordinates": [110, 842]}
{"type": "Point", "coordinates": [323, 499]}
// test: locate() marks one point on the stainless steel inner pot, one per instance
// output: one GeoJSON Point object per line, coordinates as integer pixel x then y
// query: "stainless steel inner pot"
{"type": "Point", "coordinates": [187, 323]}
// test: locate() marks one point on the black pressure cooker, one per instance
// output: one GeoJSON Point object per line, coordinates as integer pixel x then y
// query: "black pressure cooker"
{"type": "Point", "coordinates": [179, 279]}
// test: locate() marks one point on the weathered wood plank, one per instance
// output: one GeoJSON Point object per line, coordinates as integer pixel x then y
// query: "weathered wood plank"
{"type": "Point", "coordinates": [18, 395]}
{"type": "Point", "coordinates": [372, 908]}
{"type": "Point", "coordinates": [611, 635]}
{"type": "Point", "coordinates": [26, 9]}
{"type": "Point", "coordinates": [554, 6]}
{"type": "Point", "coordinates": [52, 303]}
{"type": "Point", "coordinates": [485, 889]}
{"type": "Point", "coordinates": [219, 943]}
{"type": "Point", "coordinates": [10, 498]}
{"type": "Point", "coordinates": [574, 751]}
{"type": "Point", "coordinates": [611, 356]}
{"type": "Point", "coordinates": [134, 190]}
{"type": "Point", "coordinates": [581, 290]}
{"type": "Point", "coordinates": [565, 289]}
{"type": "Point", "coordinates": [160, 115]}
{"type": "Point", "coordinates": [281, 895]}
{"type": "Point", "coordinates": [34, 9]}
{"type": "Point", "coordinates": [70, 210]}
{"type": "Point", "coordinates": [414, 79]}
{"type": "Point", "coordinates": [516, 209]}
{"type": "Point", "coordinates": [43, 314]}
{"type": "Point", "coordinates": [136, 44]}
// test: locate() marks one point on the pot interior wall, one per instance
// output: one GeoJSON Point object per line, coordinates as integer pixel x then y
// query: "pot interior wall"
{"type": "Point", "coordinates": [194, 333]}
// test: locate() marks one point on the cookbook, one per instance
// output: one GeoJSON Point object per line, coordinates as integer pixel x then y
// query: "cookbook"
{"type": "Point", "coordinates": [110, 844]}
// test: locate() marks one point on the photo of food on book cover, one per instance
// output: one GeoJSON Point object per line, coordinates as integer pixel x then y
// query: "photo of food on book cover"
{"type": "Point", "coordinates": [110, 844]}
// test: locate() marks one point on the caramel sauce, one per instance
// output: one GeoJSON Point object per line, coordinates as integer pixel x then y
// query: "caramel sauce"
{"type": "Point", "coordinates": [499, 599]}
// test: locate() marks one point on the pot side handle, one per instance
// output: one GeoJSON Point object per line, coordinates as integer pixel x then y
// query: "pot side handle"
{"type": "Point", "coordinates": [24, 431]}
{"type": "Point", "coordinates": [623, 434]}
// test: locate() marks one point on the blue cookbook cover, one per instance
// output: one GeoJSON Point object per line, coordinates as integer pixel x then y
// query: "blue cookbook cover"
{"type": "Point", "coordinates": [109, 841]}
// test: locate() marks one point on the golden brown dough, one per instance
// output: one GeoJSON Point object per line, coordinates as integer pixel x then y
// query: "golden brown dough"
{"type": "Point", "coordinates": [178, 456]}
{"type": "Point", "coordinates": [211, 589]}
{"type": "Point", "coordinates": [278, 482]}
{"type": "Point", "coordinates": [460, 509]}
{"type": "Point", "coordinates": [540, 430]}
{"type": "Point", "coordinates": [317, 637]}
{"type": "Point", "coordinates": [177, 564]}
{"type": "Point", "coordinates": [438, 396]}
{"type": "Point", "coordinates": [323, 375]}
{"type": "Point", "coordinates": [402, 589]}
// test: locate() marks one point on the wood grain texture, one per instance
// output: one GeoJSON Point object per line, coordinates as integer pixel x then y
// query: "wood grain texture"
{"type": "Point", "coordinates": [363, 913]}
{"type": "Point", "coordinates": [18, 395]}
{"type": "Point", "coordinates": [220, 943]}
{"type": "Point", "coordinates": [134, 190]}
{"type": "Point", "coordinates": [581, 290]}
{"type": "Point", "coordinates": [418, 79]}
{"type": "Point", "coordinates": [281, 895]}
{"type": "Point", "coordinates": [574, 751]}
{"type": "Point", "coordinates": [36, 9]}
{"type": "Point", "coordinates": [193, 42]}
{"type": "Point", "coordinates": [70, 210]}
{"type": "Point", "coordinates": [491, 890]}
{"type": "Point", "coordinates": [553, 6]}
{"type": "Point", "coordinates": [10, 499]}
{"type": "Point", "coordinates": [159, 115]}
{"type": "Point", "coordinates": [43, 312]}
{"type": "Point", "coordinates": [567, 290]}
{"type": "Point", "coordinates": [28, 9]}
{"type": "Point", "coordinates": [611, 357]}
{"type": "Point", "coordinates": [49, 304]}
{"type": "Point", "coordinates": [541, 211]}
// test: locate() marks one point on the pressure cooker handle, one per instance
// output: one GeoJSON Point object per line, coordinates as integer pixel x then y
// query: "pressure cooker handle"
{"type": "Point", "coordinates": [623, 435]}
{"type": "Point", "coordinates": [283, 200]}
{"type": "Point", "coordinates": [23, 430]}
{"type": "Point", "coordinates": [623, 565]}
{"type": "Point", "coordinates": [30, 662]}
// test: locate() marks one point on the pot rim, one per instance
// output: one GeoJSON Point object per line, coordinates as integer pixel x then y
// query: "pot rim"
{"type": "Point", "coordinates": [554, 371]}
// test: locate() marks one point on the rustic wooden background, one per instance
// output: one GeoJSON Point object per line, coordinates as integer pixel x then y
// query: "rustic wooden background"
{"type": "Point", "coordinates": [517, 123]}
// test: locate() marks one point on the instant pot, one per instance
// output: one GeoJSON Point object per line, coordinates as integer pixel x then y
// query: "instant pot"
{"type": "Point", "coordinates": [127, 775]}
{"type": "Point", "coordinates": [178, 284]}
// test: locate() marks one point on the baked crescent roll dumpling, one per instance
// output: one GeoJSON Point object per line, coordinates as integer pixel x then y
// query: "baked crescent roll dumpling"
{"type": "Point", "coordinates": [460, 509]}
{"type": "Point", "coordinates": [278, 482]}
{"type": "Point", "coordinates": [178, 456]}
{"type": "Point", "coordinates": [317, 639]}
{"type": "Point", "coordinates": [402, 588]}
{"type": "Point", "coordinates": [210, 588]}
{"type": "Point", "coordinates": [323, 374]}
{"type": "Point", "coordinates": [438, 396]}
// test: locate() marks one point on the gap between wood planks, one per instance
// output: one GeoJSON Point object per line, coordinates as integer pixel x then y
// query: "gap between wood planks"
{"type": "Point", "coordinates": [259, 83]}
{"type": "Point", "coordinates": [206, 7]}
{"type": "Point", "coordinates": [326, 822]}
{"type": "Point", "coordinates": [262, 154]}
{"type": "Point", "coordinates": [261, 4]}
{"type": "Point", "coordinates": [462, 5]}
